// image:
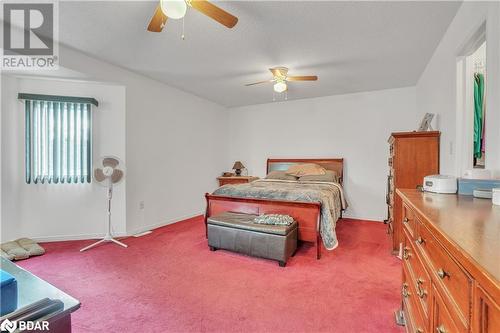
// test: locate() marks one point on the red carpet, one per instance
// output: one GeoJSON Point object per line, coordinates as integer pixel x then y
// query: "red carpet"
{"type": "Point", "coordinates": [169, 281]}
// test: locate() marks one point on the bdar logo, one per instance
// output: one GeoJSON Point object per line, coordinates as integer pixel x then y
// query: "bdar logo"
{"type": "Point", "coordinates": [8, 326]}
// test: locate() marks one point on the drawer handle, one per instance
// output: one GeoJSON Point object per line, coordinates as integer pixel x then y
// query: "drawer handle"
{"type": "Point", "coordinates": [404, 290]}
{"type": "Point", "coordinates": [421, 292]}
{"type": "Point", "coordinates": [420, 330]}
{"type": "Point", "coordinates": [406, 253]}
{"type": "Point", "coordinates": [440, 329]}
{"type": "Point", "coordinates": [406, 220]}
{"type": "Point", "coordinates": [420, 240]}
{"type": "Point", "coordinates": [442, 273]}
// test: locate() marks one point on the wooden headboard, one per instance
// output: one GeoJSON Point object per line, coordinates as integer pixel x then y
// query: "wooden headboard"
{"type": "Point", "coordinates": [282, 164]}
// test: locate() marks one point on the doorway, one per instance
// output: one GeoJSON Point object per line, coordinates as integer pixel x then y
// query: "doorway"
{"type": "Point", "coordinates": [471, 106]}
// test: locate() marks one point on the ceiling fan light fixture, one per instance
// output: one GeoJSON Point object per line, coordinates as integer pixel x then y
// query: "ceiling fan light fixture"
{"type": "Point", "coordinates": [280, 87]}
{"type": "Point", "coordinates": [174, 9]}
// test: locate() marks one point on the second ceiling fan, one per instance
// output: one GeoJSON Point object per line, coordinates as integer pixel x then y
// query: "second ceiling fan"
{"type": "Point", "coordinates": [281, 77]}
{"type": "Point", "coordinates": [176, 9]}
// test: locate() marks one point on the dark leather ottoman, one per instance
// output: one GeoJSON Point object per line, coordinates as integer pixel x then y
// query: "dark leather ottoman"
{"type": "Point", "coordinates": [237, 232]}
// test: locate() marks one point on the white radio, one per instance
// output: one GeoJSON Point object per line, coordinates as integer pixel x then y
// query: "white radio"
{"type": "Point", "coordinates": [440, 184]}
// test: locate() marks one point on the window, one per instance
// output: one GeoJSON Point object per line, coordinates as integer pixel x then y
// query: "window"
{"type": "Point", "coordinates": [58, 139]}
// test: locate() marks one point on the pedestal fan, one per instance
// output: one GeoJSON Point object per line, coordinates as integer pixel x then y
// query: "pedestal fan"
{"type": "Point", "coordinates": [109, 175]}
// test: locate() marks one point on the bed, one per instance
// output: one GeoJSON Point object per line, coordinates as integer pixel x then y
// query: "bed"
{"type": "Point", "coordinates": [316, 206]}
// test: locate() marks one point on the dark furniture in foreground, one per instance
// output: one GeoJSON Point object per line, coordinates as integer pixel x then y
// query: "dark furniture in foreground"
{"type": "Point", "coordinates": [237, 232]}
{"type": "Point", "coordinates": [35, 291]}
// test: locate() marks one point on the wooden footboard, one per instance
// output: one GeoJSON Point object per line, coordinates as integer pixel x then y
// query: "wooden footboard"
{"type": "Point", "coordinates": [307, 214]}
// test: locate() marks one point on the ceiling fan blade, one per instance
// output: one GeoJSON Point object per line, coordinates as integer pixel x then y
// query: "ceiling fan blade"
{"type": "Point", "coordinates": [214, 12]}
{"type": "Point", "coordinates": [302, 78]}
{"type": "Point", "coordinates": [158, 20]}
{"type": "Point", "coordinates": [260, 82]}
{"type": "Point", "coordinates": [279, 71]}
{"type": "Point", "coordinates": [99, 175]}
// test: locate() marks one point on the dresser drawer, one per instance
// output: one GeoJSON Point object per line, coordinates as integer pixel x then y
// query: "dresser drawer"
{"type": "Point", "coordinates": [419, 277]}
{"type": "Point", "coordinates": [487, 317]}
{"type": "Point", "coordinates": [443, 320]}
{"type": "Point", "coordinates": [232, 181]}
{"type": "Point", "coordinates": [455, 282]}
{"type": "Point", "coordinates": [409, 221]}
{"type": "Point", "coordinates": [414, 321]}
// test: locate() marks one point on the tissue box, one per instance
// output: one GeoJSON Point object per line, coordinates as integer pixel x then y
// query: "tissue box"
{"type": "Point", "coordinates": [467, 186]}
{"type": "Point", "coordinates": [8, 293]}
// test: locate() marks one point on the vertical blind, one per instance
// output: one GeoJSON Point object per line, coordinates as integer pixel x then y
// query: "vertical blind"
{"type": "Point", "coordinates": [58, 141]}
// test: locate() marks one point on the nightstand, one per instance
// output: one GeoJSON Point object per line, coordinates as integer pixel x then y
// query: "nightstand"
{"type": "Point", "coordinates": [236, 180]}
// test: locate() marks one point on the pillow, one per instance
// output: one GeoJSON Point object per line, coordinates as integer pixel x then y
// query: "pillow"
{"type": "Point", "coordinates": [281, 175]}
{"type": "Point", "coordinates": [274, 219]}
{"type": "Point", "coordinates": [329, 176]}
{"type": "Point", "coordinates": [306, 169]}
{"type": "Point", "coordinates": [20, 249]}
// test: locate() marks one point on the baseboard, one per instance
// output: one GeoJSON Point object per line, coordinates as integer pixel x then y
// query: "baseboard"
{"type": "Point", "coordinates": [117, 235]}
{"type": "Point", "coordinates": [164, 223]}
{"type": "Point", "coordinates": [361, 219]}
{"type": "Point", "coordinates": [149, 227]}
{"type": "Point", "coordinates": [75, 237]}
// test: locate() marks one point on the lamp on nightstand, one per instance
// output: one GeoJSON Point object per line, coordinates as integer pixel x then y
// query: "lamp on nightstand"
{"type": "Point", "coordinates": [237, 168]}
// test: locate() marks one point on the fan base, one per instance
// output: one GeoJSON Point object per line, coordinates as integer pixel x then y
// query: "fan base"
{"type": "Point", "coordinates": [107, 238]}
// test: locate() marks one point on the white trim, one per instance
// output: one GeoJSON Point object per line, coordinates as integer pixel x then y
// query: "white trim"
{"type": "Point", "coordinates": [465, 102]}
{"type": "Point", "coordinates": [363, 217]}
{"type": "Point", "coordinates": [159, 225]}
{"type": "Point", "coordinates": [164, 223]}
{"type": "Point", "coordinates": [63, 238]}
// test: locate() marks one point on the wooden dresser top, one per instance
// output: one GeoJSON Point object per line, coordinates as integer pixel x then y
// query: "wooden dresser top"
{"type": "Point", "coordinates": [470, 225]}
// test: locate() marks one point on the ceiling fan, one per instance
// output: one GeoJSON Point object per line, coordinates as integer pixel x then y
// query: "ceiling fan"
{"type": "Point", "coordinates": [176, 9]}
{"type": "Point", "coordinates": [281, 77]}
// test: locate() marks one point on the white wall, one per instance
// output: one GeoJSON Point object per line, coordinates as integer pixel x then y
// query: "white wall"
{"type": "Point", "coordinates": [354, 126]}
{"type": "Point", "coordinates": [175, 144]}
{"type": "Point", "coordinates": [45, 211]}
{"type": "Point", "coordinates": [437, 87]}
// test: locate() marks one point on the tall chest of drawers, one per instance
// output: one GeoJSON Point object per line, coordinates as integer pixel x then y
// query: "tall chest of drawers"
{"type": "Point", "coordinates": [451, 263]}
{"type": "Point", "coordinates": [412, 156]}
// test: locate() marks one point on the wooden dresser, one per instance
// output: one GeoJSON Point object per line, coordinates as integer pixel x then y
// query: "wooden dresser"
{"type": "Point", "coordinates": [451, 263]}
{"type": "Point", "coordinates": [412, 155]}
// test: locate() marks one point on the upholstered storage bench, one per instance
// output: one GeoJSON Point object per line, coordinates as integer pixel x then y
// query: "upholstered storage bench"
{"type": "Point", "coordinates": [237, 232]}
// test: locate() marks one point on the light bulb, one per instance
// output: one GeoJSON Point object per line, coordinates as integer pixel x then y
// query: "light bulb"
{"type": "Point", "coordinates": [279, 87]}
{"type": "Point", "coordinates": [174, 9]}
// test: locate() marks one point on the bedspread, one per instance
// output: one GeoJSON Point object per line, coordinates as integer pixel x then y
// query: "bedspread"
{"type": "Point", "coordinates": [329, 195]}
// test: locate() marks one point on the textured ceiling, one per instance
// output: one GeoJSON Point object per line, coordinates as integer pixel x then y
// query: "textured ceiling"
{"type": "Point", "coordinates": [351, 46]}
